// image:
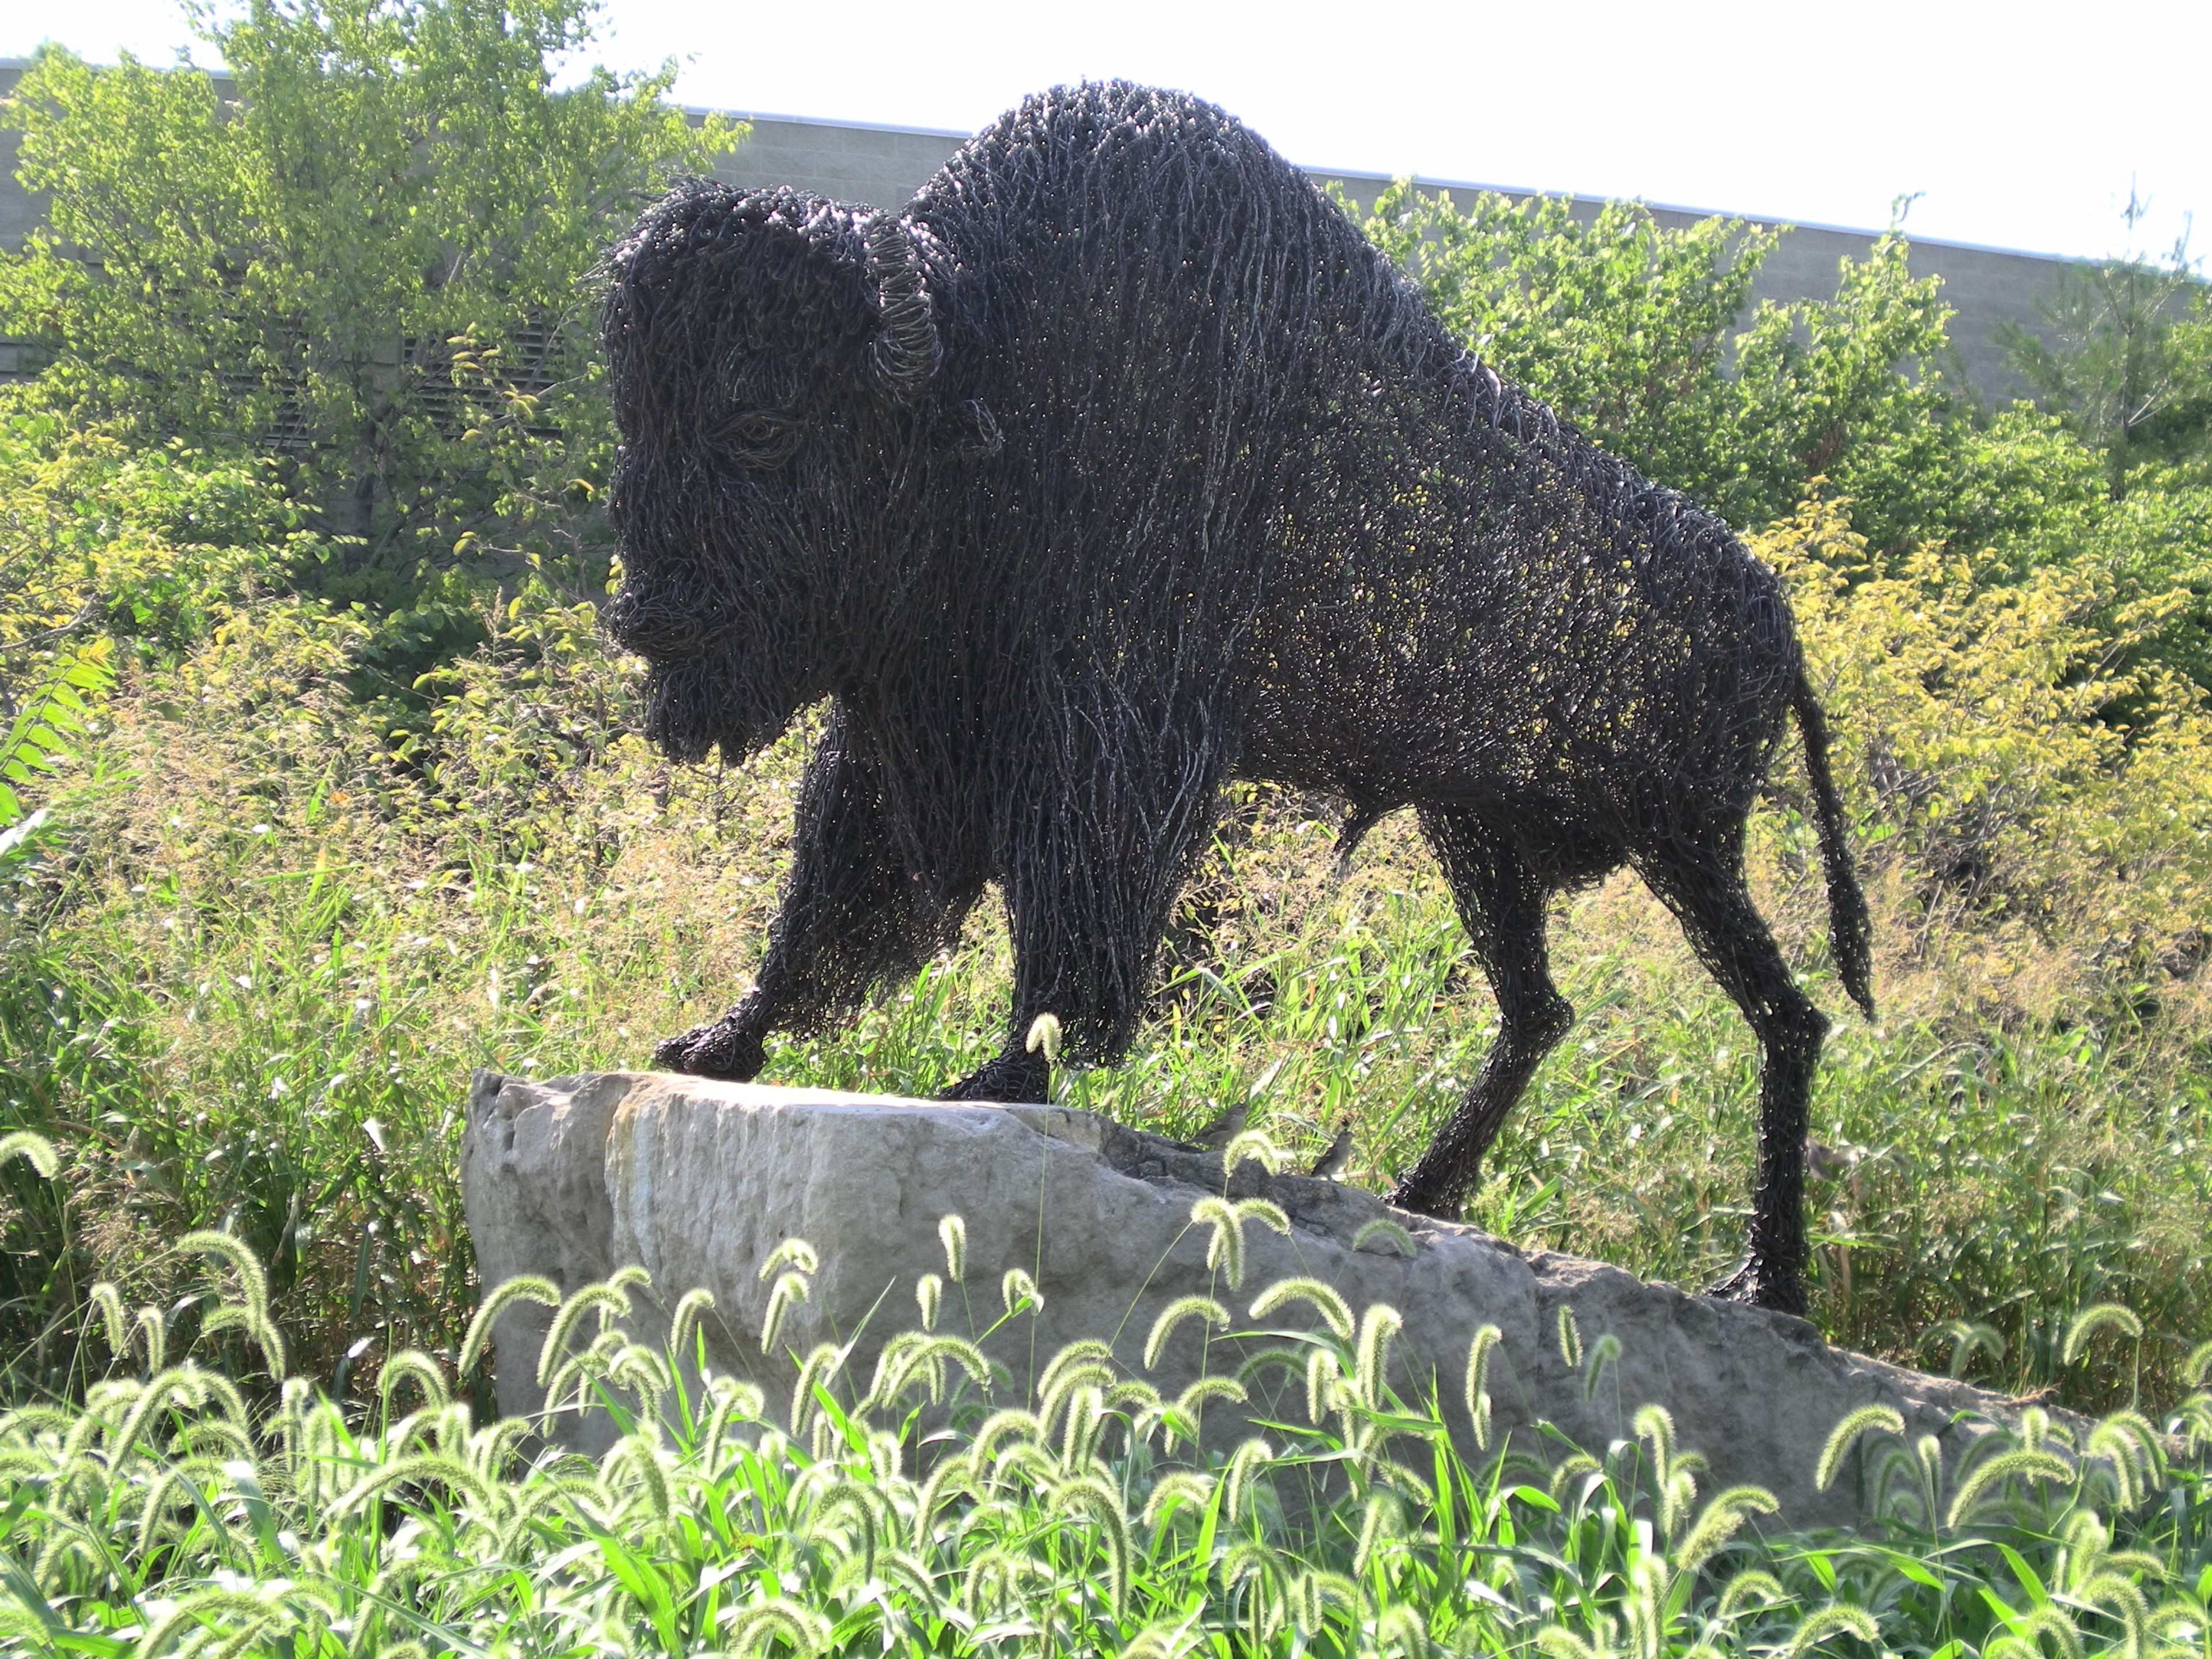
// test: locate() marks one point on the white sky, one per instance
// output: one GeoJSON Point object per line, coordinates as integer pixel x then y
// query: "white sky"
{"type": "Point", "coordinates": [2023, 125]}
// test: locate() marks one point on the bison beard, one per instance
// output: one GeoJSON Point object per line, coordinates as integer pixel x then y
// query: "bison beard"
{"type": "Point", "coordinates": [1119, 465]}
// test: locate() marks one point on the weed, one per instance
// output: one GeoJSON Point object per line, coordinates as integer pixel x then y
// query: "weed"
{"type": "Point", "coordinates": [945, 1510]}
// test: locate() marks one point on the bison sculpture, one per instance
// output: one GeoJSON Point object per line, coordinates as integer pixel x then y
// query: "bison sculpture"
{"type": "Point", "coordinates": [1116, 466]}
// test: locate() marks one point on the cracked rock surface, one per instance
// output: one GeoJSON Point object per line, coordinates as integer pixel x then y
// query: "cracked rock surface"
{"type": "Point", "coordinates": [698, 1182]}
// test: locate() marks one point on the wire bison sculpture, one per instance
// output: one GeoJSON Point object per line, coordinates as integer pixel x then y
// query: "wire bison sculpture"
{"type": "Point", "coordinates": [1117, 465]}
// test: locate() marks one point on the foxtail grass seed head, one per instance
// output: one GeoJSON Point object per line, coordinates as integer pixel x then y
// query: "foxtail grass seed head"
{"type": "Point", "coordinates": [1381, 1522]}
{"type": "Point", "coordinates": [755, 1627]}
{"type": "Point", "coordinates": [2115, 1450]}
{"type": "Point", "coordinates": [34, 1149]}
{"type": "Point", "coordinates": [1088, 1354]}
{"type": "Point", "coordinates": [899, 1359]}
{"type": "Point", "coordinates": [691, 1310]}
{"type": "Point", "coordinates": [1379, 1326]}
{"type": "Point", "coordinates": [789, 1290]}
{"type": "Point", "coordinates": [153, 1329]}
{"type": "Point", "coordinates": [1225, 1246]}
{"type": "Point", "coordinates": [795, 1254]}
{"type": "Point", "coordinates": [1179, 1489]}
{"type": "Point", "coordinates": [252, 1281]}
{"type": "Point", "coordinates": [1169, 1639]}
{"type": "Point", "coordinates": [1967, 1339]}
{"type": "Point", "coordinates": [1185, 1417]}
{"type": "Point", "coordinates": [2031, 1626]}
{"type": "Point", "coordinates": [2198, 1368]}
{"type": "Point", "coordinates": [1253, 1147]}
{"type": "Point", "coordinates": [1389, 1235]}
{"type": "Point", "coordinates": [1604, 1357]}
{"type": "Point", "coordinates": [1325, 1390]}
{"type": "Point", "coordinates": [1323, 1298]}
{"type": "Point", "coordinates": [1721, 1520]}
{"type": "Point", "coordinates": [1576, 1466]}
{"type": "Point", "coordinates": [1477, 1382]}
{"type": "Point", "coordinates": [1088, 1495]}
{"type": "Point", "coordinates": [1570, 1337]}
{"type": "Point", "coordinates": [1554, 1641]}
{"type": "Point", "coordinates": [958, 1350]}
{"type": "Point", "coordinates": [1019, 1292]}
{"type": "Point", "coordinates": [1312, 1594]}
{"type": "Point", "coordinates": [1247, 1460]}
{"type": "Point", "coordinates": [2105, 1315]}
{"type": "Point", "coordinates": [1752, 1587]}
{"type": "Point", "coordinates": [1044, 1033]}
{"type": "Point", "coordinates": [815, 1371]}
{"type": "Point", "coordinates": [928, 1292]}
{"type": "Point", "coordinates": [413, 1365]}
{"type": "Point", "coordinates": [2026, 1466]}
{"type": "Point", "coordinates": [1079, 1392]}
{"type": "Point", "coordinates": [604, 1300]}
{"type": "Point", "coordinates": [115, 1321]}
{"type": "Point", "coordinates": [1865, 1420]}
{"type": "Point", "coordinates": [2116, 1594]}
{"type": "Point", "coordinates": [523, 1287]}
{"type": "Point", "coordinates": [952, 1234]}
{"type": "Point", "coordinates": [1202, 1308]}
{"type": "Point", "coordinates": [1654, 1425]}
{"type": "Point", "coordinates": [1401, 1629]}
{"type": "Point", "coordinates": [1838, 1619]}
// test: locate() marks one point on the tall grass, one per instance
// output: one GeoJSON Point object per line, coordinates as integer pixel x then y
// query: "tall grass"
{"type": "Point", "coordinates": [941, 1506]}
{"type": "Point", "coordinates": [247, 967]}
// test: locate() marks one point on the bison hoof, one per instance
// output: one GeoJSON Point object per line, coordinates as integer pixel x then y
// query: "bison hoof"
{"type": "Point", "coordinates": [1420, 1199]}
{"type": "Point", "coordinates": [1763, 1287]}
{"type": "Point", "coordinates": [1011, 1080]}
{"type": "Point", "coordinates": [728, 1049]}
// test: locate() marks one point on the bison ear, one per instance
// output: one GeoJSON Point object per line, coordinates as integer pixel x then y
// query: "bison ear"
{"type": "Point", "coordinates": [904, 353]}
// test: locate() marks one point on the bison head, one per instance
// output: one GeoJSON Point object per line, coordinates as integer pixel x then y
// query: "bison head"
{"type": "Point", "coordinates": [768, 352]}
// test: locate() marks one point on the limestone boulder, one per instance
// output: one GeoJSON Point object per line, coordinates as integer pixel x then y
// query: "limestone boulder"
{"type": "Point", "coordinates": [700, 1181]}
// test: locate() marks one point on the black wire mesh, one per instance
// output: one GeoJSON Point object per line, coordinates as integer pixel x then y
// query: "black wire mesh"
{"type": "Point", "coordinates": [1119, 465]}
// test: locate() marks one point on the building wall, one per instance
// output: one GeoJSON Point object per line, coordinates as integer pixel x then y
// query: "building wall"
{"type": "Point", "coordinates": [856, 162]}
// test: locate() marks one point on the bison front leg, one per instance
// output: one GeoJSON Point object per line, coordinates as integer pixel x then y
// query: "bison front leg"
{"type": "Point", "coordinates": [1094, 860]}
{"type": "Point", "coordinates": [852, 915]}
{"type": "Point", "coordinates": [1084, 953]}
{"type": "Point", "coordinates": [1084, 961]}
{"type": "Point", "coordinates": [1501, 904]}
{"type": "Point", "coordinates": [1015, 1075]}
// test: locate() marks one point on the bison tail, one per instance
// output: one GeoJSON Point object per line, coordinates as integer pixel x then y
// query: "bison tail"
{"type": "Point", "coordinates": [1850, 929]}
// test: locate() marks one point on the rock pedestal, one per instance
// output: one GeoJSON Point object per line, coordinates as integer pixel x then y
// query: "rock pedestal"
{"type": "Point", "coordinates": [699, 1182]}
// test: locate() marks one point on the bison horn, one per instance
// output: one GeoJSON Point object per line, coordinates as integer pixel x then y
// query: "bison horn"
{"type": "Point", "coordinates": [905, 351]}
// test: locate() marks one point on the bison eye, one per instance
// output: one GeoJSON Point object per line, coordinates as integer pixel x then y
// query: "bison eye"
{"type": "Point", "coordinates": [758, 438]}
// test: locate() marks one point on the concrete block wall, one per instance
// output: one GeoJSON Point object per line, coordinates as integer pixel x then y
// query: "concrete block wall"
{"type": "Point", "coordinates": [855, 162]}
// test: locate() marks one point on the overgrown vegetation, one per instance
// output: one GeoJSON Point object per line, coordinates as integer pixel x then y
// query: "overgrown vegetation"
{"type": "Point", "coordinates": [950, 1505]}
{"type": "Point", "coordinates": [356, 269]}
{"type": "Point", "coordinates": [339, 793]}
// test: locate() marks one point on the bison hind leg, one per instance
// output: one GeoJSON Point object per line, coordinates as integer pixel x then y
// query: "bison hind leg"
{"type": "Point", "coordinates": [1702, 883]}
{"type": "Point", "coordinates": [1501, 898]}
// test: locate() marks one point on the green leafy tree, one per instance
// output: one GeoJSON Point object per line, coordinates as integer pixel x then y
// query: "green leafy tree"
{"type": "Point", "coordinates": [1626, 327]}
{"type": "Point", "coordinates": [2125, 358]}
{"type": "Point", "coordinates": [370, 264]}
{"type": "Point", "coordinates": [1616, 321]}
{"type": "Point", "coordinates": [1858, 390]}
